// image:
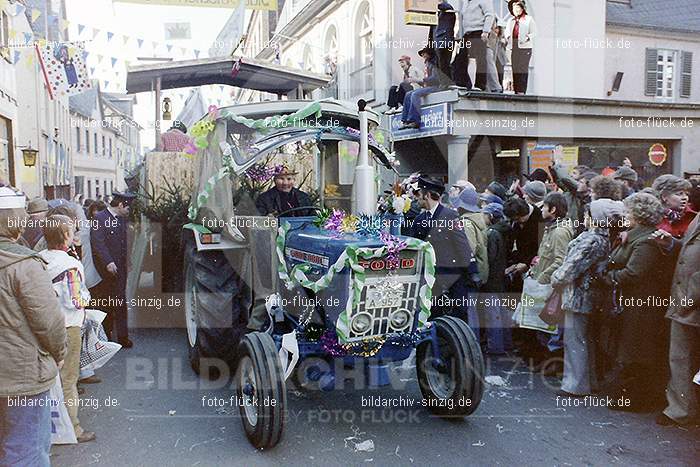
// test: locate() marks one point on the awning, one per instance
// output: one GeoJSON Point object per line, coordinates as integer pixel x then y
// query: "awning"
{"type": "Point", "coordinates": [256, 75]}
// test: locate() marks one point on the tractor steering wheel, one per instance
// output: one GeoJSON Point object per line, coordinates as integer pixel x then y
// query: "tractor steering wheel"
{"type": "Point", "coordinates": [299, 208]}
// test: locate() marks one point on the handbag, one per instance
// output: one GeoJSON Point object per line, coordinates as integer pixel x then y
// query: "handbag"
{"type": "Point", "coordinates": [552, 312]}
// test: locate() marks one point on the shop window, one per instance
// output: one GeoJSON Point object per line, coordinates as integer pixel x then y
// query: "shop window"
{"type": "Point", "coordinates": [5, 36]}
{"type": "Point", "coordinates": [6, 163]}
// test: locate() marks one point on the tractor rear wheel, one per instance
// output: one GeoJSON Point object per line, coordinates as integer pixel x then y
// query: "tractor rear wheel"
{"type": "Point", "coordinates": [261, 390]}
{"type": "Point", "coordinates": [215, 315]}
{"type": "Point", "coordinates": [453, 384]}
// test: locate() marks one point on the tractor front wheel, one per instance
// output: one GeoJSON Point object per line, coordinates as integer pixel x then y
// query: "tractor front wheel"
{"type": "Point", "coordinates": [453, 381]}
{"type": "Point", "coordinates": [261, 390]}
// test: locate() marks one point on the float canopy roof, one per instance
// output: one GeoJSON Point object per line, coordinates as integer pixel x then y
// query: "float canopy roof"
{"type": "Point", "coordinates": [256, 75]}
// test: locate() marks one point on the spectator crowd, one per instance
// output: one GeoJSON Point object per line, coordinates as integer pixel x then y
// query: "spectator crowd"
{"type": "Point", "coordinates": [614, 266]}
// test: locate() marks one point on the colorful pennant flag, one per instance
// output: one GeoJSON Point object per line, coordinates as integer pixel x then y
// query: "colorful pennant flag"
{"type": "Point", "coordinates": [28, 36]}
{"type": "Point", "coordinates": [114, 62]}
{"type": "Point", "coordinates": [196, 53]}
{"type": "Point", "coordinates": [35, 15]}
{"type": "Point", "coordinates": [110, 35]}
{"type": "Point", "coordinates": [140, 42]}
{"type": "Point", "coordinates": [169, 47]}
{"type": "Point", "coordinates": [81, 28]}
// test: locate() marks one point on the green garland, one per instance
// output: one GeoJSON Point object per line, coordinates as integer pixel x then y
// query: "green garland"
{"type": "Point", "coordinates": [350, 257]}
{"type": "Point", "coordinates": [278, 121]}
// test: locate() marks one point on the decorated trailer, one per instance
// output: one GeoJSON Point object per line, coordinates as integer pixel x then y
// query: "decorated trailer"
{"type": "Point", "coordinates": [300, 298]}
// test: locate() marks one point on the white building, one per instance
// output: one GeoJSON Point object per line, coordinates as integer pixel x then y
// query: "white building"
{"type": "Point", "coordinates": [43, 123]}
{"type": "Point", "coordinates": [106, 141]}
{"type": "Point", "coordinates": [9, 106]}
{"type": "Point", "coordinates": [573, 98]}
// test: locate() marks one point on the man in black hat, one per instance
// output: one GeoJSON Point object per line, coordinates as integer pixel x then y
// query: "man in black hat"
{"type": "Point", "coordinates": [284, 197]}
{"type": "Point", "coordinates": [108, 240]}
{"type": "Point", "coordinates": [455, 267]}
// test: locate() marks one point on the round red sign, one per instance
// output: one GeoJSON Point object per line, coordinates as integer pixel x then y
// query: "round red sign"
{"type": "Point", "coordinates": [658, 154]}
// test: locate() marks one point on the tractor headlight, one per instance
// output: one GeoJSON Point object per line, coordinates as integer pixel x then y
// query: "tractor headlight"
{"type": "Point", "coordinates": [361, 323]}
{"type": "Point", "coordinates": [400, 319]}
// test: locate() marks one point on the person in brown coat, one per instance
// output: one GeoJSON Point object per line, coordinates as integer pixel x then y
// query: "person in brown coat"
{"type": "Point", "coordinates": [32, 342]}
{"type": "Point", "coordinates": [684, 355]}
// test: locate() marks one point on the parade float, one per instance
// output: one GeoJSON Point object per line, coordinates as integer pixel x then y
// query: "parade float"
{"type": "Point", "coordinates": [339, 289]}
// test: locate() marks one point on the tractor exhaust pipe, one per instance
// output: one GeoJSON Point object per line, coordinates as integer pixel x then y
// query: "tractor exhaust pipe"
{"type": "Point", "coordinates": [365, 186]}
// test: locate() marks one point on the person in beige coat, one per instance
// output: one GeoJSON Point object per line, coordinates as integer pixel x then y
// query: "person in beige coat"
{"type": "Point", "coordinates": [32, 341]}
{"type": "Point", "coordinates": [683, 397]}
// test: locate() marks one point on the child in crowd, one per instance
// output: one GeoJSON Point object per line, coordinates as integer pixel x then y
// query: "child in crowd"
{"type": "Point", "coordinates": [68, 279]}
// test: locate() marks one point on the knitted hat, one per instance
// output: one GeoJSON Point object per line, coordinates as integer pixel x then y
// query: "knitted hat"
{"type": "Point", "coordinates": [536, 191]}
{"type": "Point", "coordinates": [37, 205]}
{"type": "Point", "coordinates": [626, 173]}
{"type": "Point", "coordinates": [604, 208]}
{"type": "Point", "coordinates": [468, 200]}
{"type": "Point", "coordinates": [494, 210]}
{"type": "Point", "coordinates": [11, 198]}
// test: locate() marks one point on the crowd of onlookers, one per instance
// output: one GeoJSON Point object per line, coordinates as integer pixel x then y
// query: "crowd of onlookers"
{"type": "Point", "coordinates": [493, 42]}
{"type": "Point", "coordinates": [56, 258]}
{"type": "Point", "coordinates": [620, 265]}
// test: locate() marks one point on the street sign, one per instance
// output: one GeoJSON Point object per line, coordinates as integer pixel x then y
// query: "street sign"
{"type": "Point", "coordinates": [420, 19]}
{"type": "Point", "coordinates": [265, 5]}
{"type": "Point", "coordinates": [435, 120]}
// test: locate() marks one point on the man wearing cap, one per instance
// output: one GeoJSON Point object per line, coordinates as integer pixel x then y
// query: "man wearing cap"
{"type": "Point", "coordinates": [410, 116]}
{"type": "Point", "coordinates": [411, 78]}
{"type": "Point", "coordinates": [32, 342]}
{"type": "Point", "coordinates": [37, 209]}
{"type": "Point", "coordinates": [475, 228]}
{"type": "Point", "coordinates": [441, 38]}
{"type": "Point", "coordinates": [628, 176]}
{"type": "Point", "coordinates": [284, 198]}
{"type": "Point", "coordinates": [454, 262]}
{"type": "Point", "coordinates": [109, 244]}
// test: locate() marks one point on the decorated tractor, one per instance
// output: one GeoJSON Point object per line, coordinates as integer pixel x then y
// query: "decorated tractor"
{"type": "Point", "coordinates": [297, 300]}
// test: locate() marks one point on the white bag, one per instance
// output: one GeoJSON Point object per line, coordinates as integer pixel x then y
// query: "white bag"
{"type": "Point", "coordinates": [62, 431]}
{"type": "Point", "coordinates": [696, 380]}
{"type": "Point", "coordinates": [96, 350]}
{"type": "Point", "coordinates": [532, 301]}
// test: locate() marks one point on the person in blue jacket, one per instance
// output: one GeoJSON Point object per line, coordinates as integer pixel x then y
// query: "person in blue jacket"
{"type": "Point", "coordinates": [411, 103]}
{"type": "Point", "coordinates": [442, 38]}
{"type": "Point", "coordinates": [108, 240]}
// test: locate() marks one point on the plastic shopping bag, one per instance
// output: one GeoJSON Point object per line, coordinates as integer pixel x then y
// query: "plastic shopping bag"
{"type": "Point", "coordinates": [96, 350]}
{"type": "Point", "coordinates": [532, 302]}
{"type": "Point", "coordinates": [62, 431]}
{"type": "Point", "coordinates": [696, 380]}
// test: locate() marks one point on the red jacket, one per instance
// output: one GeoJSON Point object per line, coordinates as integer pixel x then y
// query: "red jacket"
{"type": "Point", "coordinates": [679, 228]}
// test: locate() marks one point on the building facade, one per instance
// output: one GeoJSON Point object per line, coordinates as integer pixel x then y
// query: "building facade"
{"type": "Point", "coordinates": [106, 141]}
{"type": "Point", "coordinates": [589, 58]}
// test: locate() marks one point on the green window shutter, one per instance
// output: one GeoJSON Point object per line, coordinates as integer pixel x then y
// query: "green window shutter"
{"type": "Point", "coordinates": [651, 61]}
{"type": "Point", "coordinates": [686, 73]}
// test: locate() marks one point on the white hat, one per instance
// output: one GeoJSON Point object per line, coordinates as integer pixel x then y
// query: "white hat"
{"type": "Point", "coordinates": [11, 199]}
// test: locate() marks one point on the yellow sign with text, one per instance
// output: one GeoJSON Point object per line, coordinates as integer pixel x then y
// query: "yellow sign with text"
{"type": "Point", "coordinates": [420, 6]}
{"type": "Point", "coordinates": [421, 19]}
{"type": "Point", "coordinates": [265, 5]}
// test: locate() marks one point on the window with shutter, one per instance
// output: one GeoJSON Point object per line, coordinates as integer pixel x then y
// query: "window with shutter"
{"type": "Point", "coordinates": [686, 73]}
{"type": "Point", "coordinates": [651, 61]}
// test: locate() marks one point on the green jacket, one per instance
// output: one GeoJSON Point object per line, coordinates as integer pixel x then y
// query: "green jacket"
{"type": "Point", "coordinates": [552, 250]}
{"type": "Point", "coordinates": [686, 280]}
{"type": "Point", "coordinates": [476, 230]}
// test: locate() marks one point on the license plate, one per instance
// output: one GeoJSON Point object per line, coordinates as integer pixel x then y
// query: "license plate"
{"type": "Point", "coordinates": [382, 298]}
